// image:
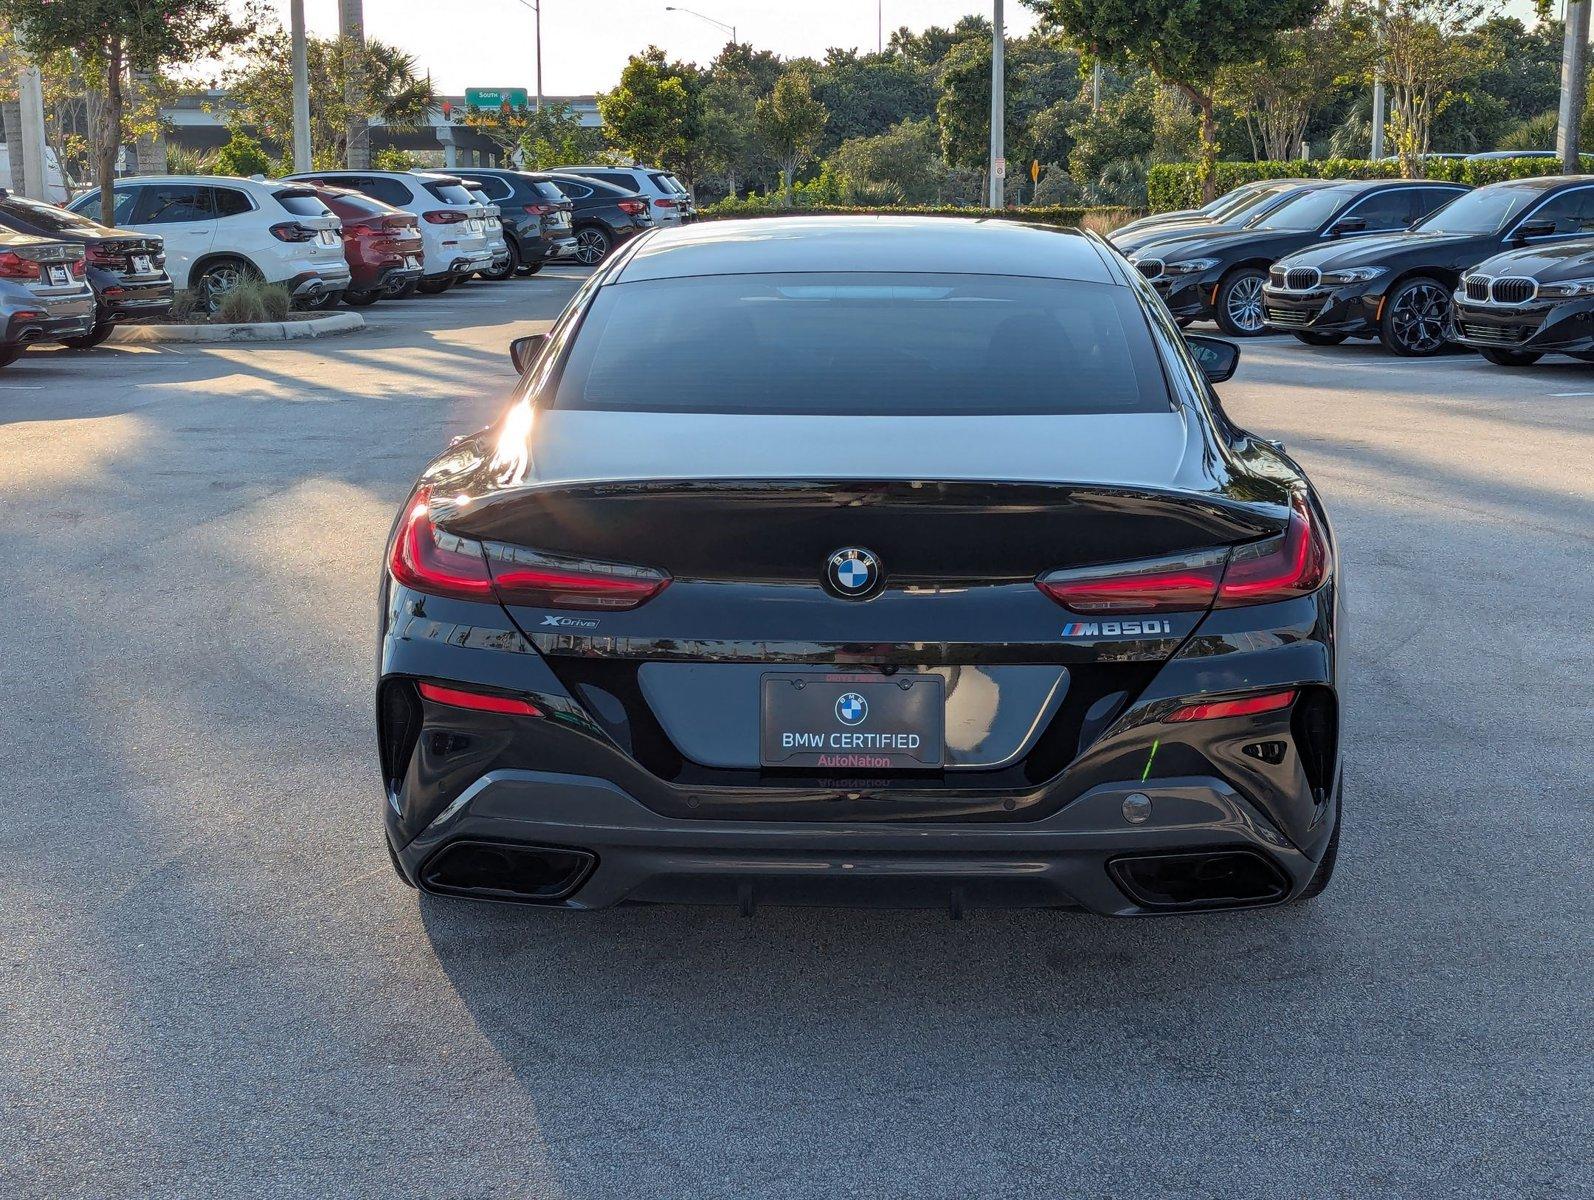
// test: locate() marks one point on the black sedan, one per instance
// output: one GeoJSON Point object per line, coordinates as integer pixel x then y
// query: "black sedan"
{"type": "Point", "coordinates": [603, 215]}
{"type": "Point", "coordinates": [535, 213]}
{"type": "Point", "coordinates": [127, 270]}
{"type": "Point", "coordinates": [867, 560]}
{"type": "Point", "coordinates": [1238, 210]}
{"type": "Point", "coordinates": [1398, 288]}
{"type": "Point", "coordinates": [1519, 306]}
{"type": "Point", "coordinates": [1219, 276]}
{"type": "Point", "coordinates": [1213, 210]}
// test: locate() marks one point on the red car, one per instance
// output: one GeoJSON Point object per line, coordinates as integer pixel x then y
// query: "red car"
{"type": "Point", "coordinates": [382, 244]}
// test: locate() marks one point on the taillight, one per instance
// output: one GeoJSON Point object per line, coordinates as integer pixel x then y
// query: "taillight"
{"type": "Point", "coordinates": [539, 210]}
{"type": "Point", "coordinates": [445, 216]}
{"type": "Point", "coordinates": [80, 267]}
{"type": "Point", "coordinates": [632, 206]}
{"type": "Point", "coordinates": [1293, 563]}
{"type": "Point", "coordinates": [441, 563]}
{"type": "Point", "coordinates": [437, 562]}
{"type": "Point", "coordinates": [1183, 583]}
{"type": "Point", "coordinates": [399, 227]}
{"type": "Point", "coordinates": [101, 257]}
{"type": "Point", "coordinates": [292, 231]}
{"type": "Point", "coordinates": [479, 701]}
{"type": "Point", "coordinates": [1245, 707]}
{"type": "Point", "coordinates": [1278, 568]}
{"type": "Point", "coordinates": [14, 266]}
{"type": "Point", "coordinates": [548, 581]}
{"type": "Point", "coordinates": [665, 204]}
{"type": "Point", "coordinates": [360, 229]}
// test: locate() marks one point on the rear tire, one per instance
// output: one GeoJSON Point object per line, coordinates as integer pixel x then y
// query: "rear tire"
{"type": "Point", "coordinates": [1510, 358]}
{"type": "Point", "coordinates": [218, 278]}
{"type": "Point", "coordinates": [324, 302]}
{"type": "Point", "coordinates": [1416, 320]}
{"type": "Point", "coordinates": [90, 339]}
{"type": "Point", "coordinates": [1320, 339]}
{"type": "Point", "coordinates": [360, 299]}
{"type": "Point", "coordinates": [531, 268]}
{"type": "Point", "coordinates": [593, 245]}
{"type": "Point", "coordinates": [507, 270]}
{"type": "Point", "coordinates": [1239, 303]}
{"type": "Point", "coordinates": [406, 291]}
{"type": "Point", "coordinates": [432, 287]}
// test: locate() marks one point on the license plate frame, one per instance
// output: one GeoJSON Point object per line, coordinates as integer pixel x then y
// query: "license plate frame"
{"type": "Point", "coordinates": [142, 265]}
{"type": "Point", "coordinates": [57, 274]}
{"type": "Point", "coordinates": [845, 721]}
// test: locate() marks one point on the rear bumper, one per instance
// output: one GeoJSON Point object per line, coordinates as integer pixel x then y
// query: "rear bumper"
{"type": "Point", "coordinates": [1540, 328]}
{"type": "Point", "coordinates": [462, 265]}
{"type": "Point", "coordinates": [52, 319]}
{"type": "Point", "coordinates": [121, 301]}
{"type": "Point", "coordinates": [1072, 859]}
{"type": "Point", "coordinates": [1347, 311]}
{"type": "Point", "coordinates": [319, 281]}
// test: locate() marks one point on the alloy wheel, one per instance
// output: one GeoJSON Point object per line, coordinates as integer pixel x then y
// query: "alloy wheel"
{"type": "Point", "coordinates": [1420, 318]}
{"type": "Point", "coordinates": [218, 281]}
{"type": "Point", "coordinates": [591, 246]}
{"type": "Point", "coordinates": [1243, 304]}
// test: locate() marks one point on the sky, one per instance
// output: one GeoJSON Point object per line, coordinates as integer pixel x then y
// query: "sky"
{"type": "Point", "coordinates": [585, 43]}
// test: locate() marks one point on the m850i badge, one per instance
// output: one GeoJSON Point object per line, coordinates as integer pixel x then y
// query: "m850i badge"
{"type": "Point", "coordinates": [1140, 628]}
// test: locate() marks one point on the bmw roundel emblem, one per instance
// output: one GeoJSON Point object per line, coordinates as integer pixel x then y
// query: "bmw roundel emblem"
{"type": "Point", "coordinates": [853, 573]}
{"type": "Point", "coordinates": [851, 709]}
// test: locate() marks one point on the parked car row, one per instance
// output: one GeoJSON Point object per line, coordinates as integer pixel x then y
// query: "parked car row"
{"type": "Point", "coordinates": [1419, 265]}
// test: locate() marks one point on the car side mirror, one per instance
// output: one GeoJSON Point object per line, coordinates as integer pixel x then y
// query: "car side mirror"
{"type": "Point", "coordinates": [1348, 226]}
{"type": "Point", "coordinates": [1217, 358]}
{"type": "Point", "coordinates": [1533, 229]}
{"type": "Point", "coordinates": [523, 350]}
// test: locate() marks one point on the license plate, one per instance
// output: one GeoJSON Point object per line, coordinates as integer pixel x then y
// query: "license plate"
{"type": "Point", "coordinates": [326, 237]}
{"type": "Point", "coordinates": [59, 276]}
{"type": "Point", "coordinates": [141, 264]}
{"type": "Point", "coordinates": [852, 722]}
{"type": "Point", "coordinates": [412, 262]}
{"type": "Point", "coordinates": [473, 226]}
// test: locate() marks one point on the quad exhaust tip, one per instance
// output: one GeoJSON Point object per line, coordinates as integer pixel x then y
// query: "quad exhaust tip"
{"type": "Point", "coordinates": [1206, 879]}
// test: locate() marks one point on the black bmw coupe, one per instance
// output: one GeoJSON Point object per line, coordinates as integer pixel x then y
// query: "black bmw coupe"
{"type": "Point", "coordinates": [879, 561]}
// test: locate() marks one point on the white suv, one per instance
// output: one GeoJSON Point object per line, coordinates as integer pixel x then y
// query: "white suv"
{"type": "Point", "coordinates": [220, 230]}
{"type": "Point", "coordinates": [667, 197]}
{"type": "Point", "coordinates": [454, 242]}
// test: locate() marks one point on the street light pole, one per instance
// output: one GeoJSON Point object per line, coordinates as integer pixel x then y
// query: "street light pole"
{"type": "Point", "coordinates": [730, 29]}
{"type": "Point", "coordinates": [1379, 103]}
{"type": "Point", "coordinates": [301, 88]}
{"type": "Point", "coordinates": [536, 7]}
{"type": "Point", "coordinates": [998, 164]}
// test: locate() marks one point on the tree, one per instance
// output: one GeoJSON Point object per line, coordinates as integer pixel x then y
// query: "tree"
{"type": "Point", "coordinates": [729, 131]}
{"type": "Point", "coordinates": [112, 39]}
{"type": "Point", "coordinates": [385, 80]}
{"type": "Point", "coordinates": [866, 94]}
{"type": "Point", "coordinates": [1425, 63]}
{"type": "Point", "coordinates": [242, 155]}
{"type": "Point", "coordinates": [543, 139]}
{"type": "Point", "coordinates": [1277, 94]}
{"type": "Point", "coordinates": [907, 158]}
{"type": "Point", "coordinates": [791, 125]}
{"type": "Point", "coordinates": [650, 114]}
{"type": "Point", "coordinates": [1181, 42]}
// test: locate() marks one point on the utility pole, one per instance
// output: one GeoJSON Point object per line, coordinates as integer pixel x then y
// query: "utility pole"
{"type": "Point", "coordinates": [1095, 89]}
{"type": "Point", "coordinates": [998, 164]}
{"type": "Point", "coordinates": [537, 9]}
{"type": "Point", "coordinates": [1379, 103]}
{"type": "Point", "coordinates": [357, 133]}
{"type": "Point", "coordinates": [301, 88]}
{"type": "Point", "coordinates": [1574, 86]}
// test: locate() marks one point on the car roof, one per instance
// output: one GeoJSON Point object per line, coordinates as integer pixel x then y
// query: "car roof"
{"type": "Point", "coordinates": [1542, 183]}
{"type": "Point", "coordinates": [577, 177]}
{"type": "Point", "coordinates": [208, 180]}
{"type": "Point", "coordinates": [934, 245]}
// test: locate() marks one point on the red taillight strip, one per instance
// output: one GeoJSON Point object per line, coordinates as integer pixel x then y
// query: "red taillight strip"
{"type": "Point", "coordinates": [1183, 583]}
{"type": "Point", "coordinates": [479, 701]}
{"type": "Point", "coordinates": [432, 560]}
{"type": "Point", "coordinates": [1248, 706]}
{"type": "Point", "coordinates": [1280, 568]}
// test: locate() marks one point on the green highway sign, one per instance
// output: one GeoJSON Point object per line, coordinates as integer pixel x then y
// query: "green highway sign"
{"type": "Point", "coordinates": [495, 97]}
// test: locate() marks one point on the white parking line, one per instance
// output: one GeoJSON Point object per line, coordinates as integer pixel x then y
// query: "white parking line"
{"type": "Point", "coordinates": [1567, 395]}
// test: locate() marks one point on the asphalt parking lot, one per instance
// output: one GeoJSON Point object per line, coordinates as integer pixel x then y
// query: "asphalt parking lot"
{"type": "Point", "coordinates": [211, 984]}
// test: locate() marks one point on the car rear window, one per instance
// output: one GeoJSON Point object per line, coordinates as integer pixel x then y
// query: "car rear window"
{"type": "Point", "coordinates": [303, 204]}
{"type": "Point", "coordinates": [448, 193]}
{"type": "Point", "coordinates": [46, 216]}
{"type": "Point", "coordinates": [864, 344]}
{"type": "Point", "coordinates": [549, 192]}
{"type": "Point", "coordinates": [352, 204]}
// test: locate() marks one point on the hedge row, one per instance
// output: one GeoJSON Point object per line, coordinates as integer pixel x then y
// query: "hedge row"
{"type": "Point", "coordinates": [1176, 185]}
{"type": "Point", "coordinates": [1050, 214]}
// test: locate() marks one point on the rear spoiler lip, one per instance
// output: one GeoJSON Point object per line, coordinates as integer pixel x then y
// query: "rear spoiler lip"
{"type": "Point", "coordinates": [1267, 518]}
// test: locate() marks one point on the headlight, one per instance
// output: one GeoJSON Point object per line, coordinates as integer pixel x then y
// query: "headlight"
{"type": "Point", "coordinates": [1190, 266]}
{"type": "Point", "coordinates": [1567, 289]}
{"type": "Point", "coordinates": [1354, 275]}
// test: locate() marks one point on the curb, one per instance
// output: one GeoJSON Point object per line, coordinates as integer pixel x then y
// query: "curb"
{"type": "Point", "coordinates": [262, 331]}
